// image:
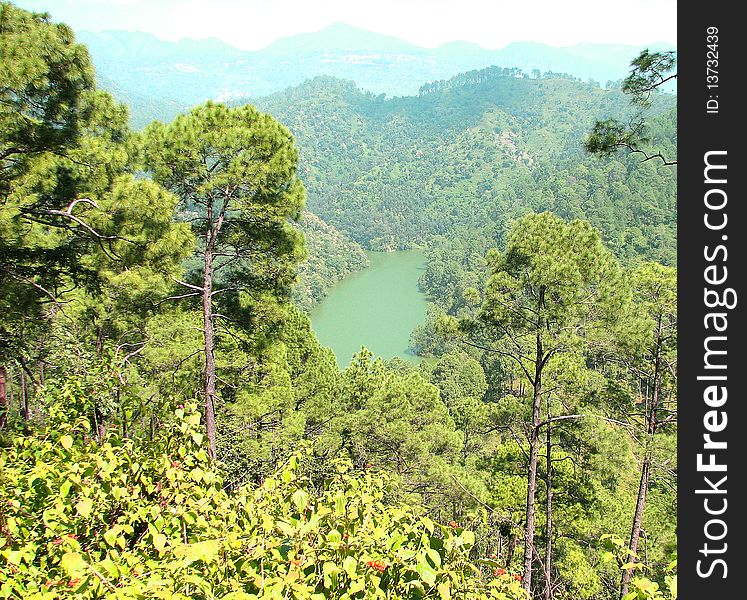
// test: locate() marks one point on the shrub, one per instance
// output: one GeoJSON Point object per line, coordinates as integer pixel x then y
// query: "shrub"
{"type": "Point", "coordinates": [126, 519]}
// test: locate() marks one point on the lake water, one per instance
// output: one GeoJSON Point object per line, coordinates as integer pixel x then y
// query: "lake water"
{"type": "Point", "coordinates": [376, 308]}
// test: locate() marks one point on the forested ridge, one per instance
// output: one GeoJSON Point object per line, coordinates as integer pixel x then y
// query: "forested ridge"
{"type": "Point", "coordinates": [159, 79]}
{"type": "Point", "coordinates": [170, 427]}
{"type": "Point", "coordinates": [473, 153]}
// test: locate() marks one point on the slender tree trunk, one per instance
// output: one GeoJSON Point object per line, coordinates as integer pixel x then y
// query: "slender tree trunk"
{"type": "Point", "coordinates": [4, 405]}
{"type": "Point", "coordinates": [10, 388]}
{"type": "Point", "coordinates": [532, 474]}
{"type": "Point", "coordinates": [548, 514]}
{"type": "Point", "coordinates": [123, 413]}
{"type": "Point", "coordinates": [635, 533]}
{"type": "Point", "coordinates": [28, 377]}
{"type": "Point", "coordinates": [640, 504]}
{"type": "Point", "coordinates": [100, 426]}
{"type": "Point", "coordinates": [99, 340]}
{"type": "Point", "coordinates": [512, 543]}
{"type": "Point", "coordinates": [208, 331]}
{"type": "Point", "coordinates": [24, 396]}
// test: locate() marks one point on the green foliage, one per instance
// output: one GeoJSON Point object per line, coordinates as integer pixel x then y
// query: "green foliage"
{"type": "Point", "coordinates": [46, 81]}
{"type": "Point", "coordinates": [237, 165]}
{"type": "Point", "coordinates": [554, 279]}
{"type": "Point", "coordinates": [643, 587]}
{"type": "Point", "coordinates": [81, 238]}
{"type": "Point", "coordinates": [89, 520]}
{"type": "Point", "coordinates": [608, 136]}
{"type": "Point", "coordinates": [106, 488]}
{"type": "Point", "coordinates": [280, 395]}
{"type": "Point", "coordinates": [397, 423]}
{"type": "Point", "coordinates": [464, 161]}
{"type": "Point", "coordinates": [331, 256]}
{"type": "Point", "coordinates": [650, 70]}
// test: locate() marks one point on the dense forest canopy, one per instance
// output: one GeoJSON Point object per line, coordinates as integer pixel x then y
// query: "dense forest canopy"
{"type": "Point", "coordinates": [170, 427]}
{"type": "Point", "coordinates": [474, 153]}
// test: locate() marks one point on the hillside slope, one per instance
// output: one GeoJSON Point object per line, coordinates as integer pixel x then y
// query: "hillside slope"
{"type": "Point", "coordinates": [474, 153]}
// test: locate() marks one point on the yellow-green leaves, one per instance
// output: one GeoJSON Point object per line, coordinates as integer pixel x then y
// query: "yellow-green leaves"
{"type": "Point", "coordinates": [206, 551]}
{"type": "Point", "coordinates": [73, 564]}
{"type": "Point", "coordinates": [66, 441]}
{"type": "Point", "coordinates": [444, 591]}
{"type": "Point", "coordinates": [156, 523]}
{"type": "Point", "coordinates": [159, 542]}
{"type": "Point", "coordinates": [84, 507]}
{"type": "Point", "coordinates": [300, 498]}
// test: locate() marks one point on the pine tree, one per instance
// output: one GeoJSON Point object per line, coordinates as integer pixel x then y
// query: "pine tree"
{"type": "Point", "coordinates": [234, 170]}
{"type": "Point", "coordinates": [652, 362]}
{"type": "Point", "coordinates": [552, 288]}
{"type": "Point", "coordinates": [77, 230]}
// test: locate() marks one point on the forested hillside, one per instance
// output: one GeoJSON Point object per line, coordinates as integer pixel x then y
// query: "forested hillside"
{"type": "Point", "coordinates": [331, 256]}
{"type": "Point", "coordinates": [170, 426]}
{"type": "Point", "coordinates": [474, 153]}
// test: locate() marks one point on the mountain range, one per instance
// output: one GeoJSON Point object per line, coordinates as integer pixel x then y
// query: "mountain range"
{"type": "Point", "coordinates": [160, 78]}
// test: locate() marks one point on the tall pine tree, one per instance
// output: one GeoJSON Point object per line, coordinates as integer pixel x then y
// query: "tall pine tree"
{"type": "Point", "coordinates": [234, 170]}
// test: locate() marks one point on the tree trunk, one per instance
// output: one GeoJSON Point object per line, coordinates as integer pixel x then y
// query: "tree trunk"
{"type": "Point", "coordinates": [635, 533]}
{"type": "Point", "coordinates": [9, 387]}
{"type": "Point", "coordinates": [208, 331]}
{"type": "Point", "coordinates": [25, 396]}
{"type": "Point", "coordinates": [99, 340]}
{"type": "Point", "coordinates": [4, 406]}
{"type": "Point", "coordinates": [640, 504]}
{"type": "Point", "coordinates": [532, 474]}
{"type": "Point", "coordinates": [26, 371]}
{"type": "Point", "coordinates": [512, 543]}
{"type": "Point", "coordinates": [548, 514]}
{"type": "Point", "coordinates": [100, 426]}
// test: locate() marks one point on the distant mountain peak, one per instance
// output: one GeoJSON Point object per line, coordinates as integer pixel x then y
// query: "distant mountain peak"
{"type": "Point", "coordinates": [160, 77]}
{"type": "Point", "coordinates": [127, 45]}
{"type": "Point", "coordinates": [459, 46]}
{"type": "Point", "coordinates": [211, 43]}
{"type": "Point", "coordinates": [341, 36]}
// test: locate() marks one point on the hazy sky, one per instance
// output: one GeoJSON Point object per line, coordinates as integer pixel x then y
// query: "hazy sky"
{"type": "Point", "coordinates": [253, 24]}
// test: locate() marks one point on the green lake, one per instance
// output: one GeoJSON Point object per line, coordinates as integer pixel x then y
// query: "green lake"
{"type": "Point", "coordinates": [376, 308]}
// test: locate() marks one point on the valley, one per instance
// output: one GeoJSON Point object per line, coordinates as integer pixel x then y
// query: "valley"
{"type": "Point", "coordinates": [341, 318]}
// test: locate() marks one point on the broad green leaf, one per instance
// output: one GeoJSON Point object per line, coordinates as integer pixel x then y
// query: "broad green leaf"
{"type": "Point", "coordinates": [426, 572]}
{"type": "Point", "coordinates": [74, 564]}
{"type": "Point", "coordinates": [350, 565]}
{"type": "Point", "coordinates": [110, 537]}
{"type": "Point", "coordinates": [65, 488]}
{"type": "Point", "coordinates": [84, 507]}
{"type": "Point", "coordinates": [159, 542]}
{"type": "Point", "coordinates": [434, 556]}
{"type": "Point", "coordinates": [300, 498]}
